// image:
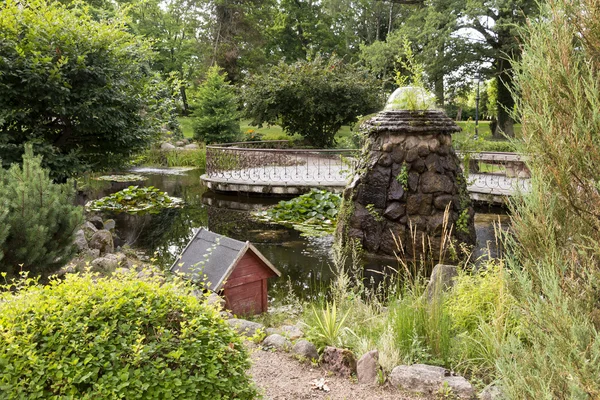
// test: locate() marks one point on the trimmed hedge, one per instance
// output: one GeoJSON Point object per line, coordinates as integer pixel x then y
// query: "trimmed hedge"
{"type": "Point", "coordinates": [117, 338]}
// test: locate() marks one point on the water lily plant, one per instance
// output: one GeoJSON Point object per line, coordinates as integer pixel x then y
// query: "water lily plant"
{"type": "Point", "coordinates": [135, 200]}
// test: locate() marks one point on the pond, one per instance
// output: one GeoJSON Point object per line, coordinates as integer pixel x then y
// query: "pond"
{"type": "Point", "coordinates": [304, 262]}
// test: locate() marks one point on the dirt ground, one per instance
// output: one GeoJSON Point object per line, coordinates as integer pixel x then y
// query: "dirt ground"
{"type": "Point", "coordinates": [281, 377]}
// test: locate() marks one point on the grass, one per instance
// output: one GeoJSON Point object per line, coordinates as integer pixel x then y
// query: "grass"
{"type": "Point", "coordinates": [344, 136]}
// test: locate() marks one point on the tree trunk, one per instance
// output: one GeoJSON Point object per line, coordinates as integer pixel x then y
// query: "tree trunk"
{"type": "Point", "coordinates": [506, 102]}
{"type": "Point", "coordinates": [186, 108]}
{"type": "Point", "coordinates": [439, 89]}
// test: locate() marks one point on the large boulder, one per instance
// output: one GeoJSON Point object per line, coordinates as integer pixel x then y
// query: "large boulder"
{"type": "Point", "coordinates": [89, 229]}
{"type": "Point", "coordinates": [191, 146]}
{"type": "Point", "coordinates": [96, 221]}
{"type": "Point", "coordinates": [339, 361]}
{"type": "Point", "coordinates": [306, 349]}
{"type": "Point", "coordinates": [109, 224]}
{"type": "Point", "coordinates": [244, 327]}
{"type": "Point", "coordinates": [491, 392]}
{"type": "Point", "coordinates": [80, 242]}
{"type": "Point", "coordinates": [442, 280]}
{"type": "Point", "coordinates": [367, 368]}
{"type": "Point", "coordinates": [429, 380]}
{"type": "Point", "coordinates": [103, 241]}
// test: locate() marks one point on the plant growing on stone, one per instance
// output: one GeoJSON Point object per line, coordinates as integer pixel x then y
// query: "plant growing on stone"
{"type": "Point", "coordinates": [374, 213]}
{"type": "Point", "coordinates": [38, 218]}
{"type": "Point", "coordinates": [135, 200]}
{"type": "Point", "coordinates": [402, 177]}
{"type": "Point", "coordinates": [90, 337]}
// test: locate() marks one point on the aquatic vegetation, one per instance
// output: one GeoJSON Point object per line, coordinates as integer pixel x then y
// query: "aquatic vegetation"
{"type": "Point", "coordinates": [135, 200]}
{"type": "Point", "coordinates": [122, 178]}
{"type": "Point", "coordinates": [313, 213]}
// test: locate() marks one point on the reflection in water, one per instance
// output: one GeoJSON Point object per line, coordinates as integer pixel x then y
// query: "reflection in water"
{"type": "Point", "coordinates": [305, 262]}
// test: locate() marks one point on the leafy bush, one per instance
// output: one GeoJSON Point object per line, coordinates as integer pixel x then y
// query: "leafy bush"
{"type": "Point", "coordinates": [313, 213]}
{"type": "Point", "coordinates": [38, 218]}
{"type": "Point", "coordinates": [135, 200]}
{"type": "Point", "coordinates": [311, 98]}
{"type": "Point", "coordinates": [102, 338]}
{"type": "Point", "coordinates": [215, 114]}
{"type": "Point", "coordinates": [555, 250]}
{"type": "Point", "coordinates": [76, 87]}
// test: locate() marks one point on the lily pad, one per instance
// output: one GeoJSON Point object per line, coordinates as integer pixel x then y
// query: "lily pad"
{"type": "Point", "coordinates": [312, 213]}
{"type": "Point", "coordinates": [135, 200]}
{"type": "Point", "coordinates": [122, 178]}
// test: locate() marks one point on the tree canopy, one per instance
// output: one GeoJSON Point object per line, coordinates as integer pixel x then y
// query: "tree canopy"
{"type": "Point", "coordinates": [311, 98]}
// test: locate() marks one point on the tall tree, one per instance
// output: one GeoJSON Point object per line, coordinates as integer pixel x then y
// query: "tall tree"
{"type": "Point", "coordinates": [497, 22]}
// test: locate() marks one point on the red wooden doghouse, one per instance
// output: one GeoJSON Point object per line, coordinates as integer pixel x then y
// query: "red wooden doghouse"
{"type": "Point", "coordinates": [235, 269]}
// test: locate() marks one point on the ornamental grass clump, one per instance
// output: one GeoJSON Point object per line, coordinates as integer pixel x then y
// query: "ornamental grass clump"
{"type": "Point", "coordinates": [117, 338]}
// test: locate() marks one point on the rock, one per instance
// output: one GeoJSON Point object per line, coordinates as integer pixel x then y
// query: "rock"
{"type": "Point", "coordinates": [394, 211]}
{"type": "Point", "coordinates": [367, 368]}
{"type": "Point", "coordinates": [216, 300]}
{"type": "Point", "coordinates": [104, 265]}
{"type": "Point", "coordinates": [339, 361]}
{"type": "Point", "coordinates": [80, 241]}
{"type": "Point", "coordinates": [442, 279]}
{"type": "Point", "coordinates": [96, 221]}
{"type": "Point", "coordinates": [121, 271]}
{"type": "Point", "coordinates": [278, 342]}
{"type": "Point", "coordinates": [432, 182]}
{"type": "Point", "coordinates": [491, 392]}
{"type": "Point", "coordinates": [180, 143]}
{"type": "Point", "coordinates": [103, 241]}
{"type": "Point", "coordinates": [93, 253]}
{"type": "Point", "coordinates": [191, 146]}
{"type": "Point", "coordinates": [167, 146]}
{"type": "Point", "coordinates": [396, 191]}
{"type": "Point", "coordinates": [292, 332]}
{"type": "Point", "coordinates": [89, 229]}
{"type": "Point", "coordinates": [305, 349]}
{"type": "Point", "coordinates": [244, 327]}
{"type": "Point", "coordinates": [429, 380]}
{"type": "Point", "coordinates": [109, 224]}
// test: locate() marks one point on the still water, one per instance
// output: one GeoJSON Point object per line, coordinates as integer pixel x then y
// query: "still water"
{"type": "Point", "coordinates": [304, 262]}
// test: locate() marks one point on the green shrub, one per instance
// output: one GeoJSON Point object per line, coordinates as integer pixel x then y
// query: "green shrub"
{"type": "Point", "coordinates": [117, 338]}
{"type": "Point", "coordinates": [215, 116]}
{"type": "Point", "coordinates": [38, 218]}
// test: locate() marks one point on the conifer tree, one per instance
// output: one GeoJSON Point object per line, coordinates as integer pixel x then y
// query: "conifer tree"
{"type": "Point", "coordinates": [40, 218]}
{"type": "Point", "coordinates": [215, 115]}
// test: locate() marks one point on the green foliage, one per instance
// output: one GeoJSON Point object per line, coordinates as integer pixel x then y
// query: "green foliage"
{"type": "Point", "coordinates": [311, 98]}
{"type": "Point", "coordinates": [89, 337]}
{"type": "Point", "coordinates": [556, 230]}
{"type": "Point", "coordinates": [77, 88]}
{"type": "Point", "coordinates": [38, 218]}
{"type": "Point", "coordinates": [328, 326]}
{"type": "Point", "coordinates": [374, 213]}
{"type": "Point", "coordinates": [122, 178]}
{"type": "Point", "coordinates": [402, 177]}
{"type": "Point", "coordinates": [215, 114]}
{"type": "Point", "coordinates": [135, 200]}
{"type": "Point", "coordinates": [313, 213]}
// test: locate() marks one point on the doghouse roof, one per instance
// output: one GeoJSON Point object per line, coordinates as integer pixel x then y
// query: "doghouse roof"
{"type": "Point", "coordinates": [214, 256]}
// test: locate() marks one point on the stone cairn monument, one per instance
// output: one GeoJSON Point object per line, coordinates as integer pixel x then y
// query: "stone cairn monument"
{"type": "Point", "coordinates": [408, 175]}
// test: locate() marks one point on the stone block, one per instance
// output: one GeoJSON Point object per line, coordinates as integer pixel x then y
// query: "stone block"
{"type": "Point", "coordinates": [442, 201]}
{"type": "Point", "coordinates": [394, 211]}
{"type": "Point", "coordinates": [433, 163]}
{"type": "Point", "coordinates": [395, 191]}
{"type": "Point", "coordinates": [411, 155]}
{"type": "Point", "coordinates": [103, 241]}
{"type": "Point", "coordinates": [441, 280]}
{"type": "Point", "coordinates": [385, 160]}
{"type": "Point", "coordinates": [244, 327]}
{"type": "Point", "coordinates": [278, 342]}
{"type": "Point", "coordinates": [413, 181]}
{"type": "Point", "coordinates": [432, 182]}
{"type": "Point", "coordinates": [419, 204]}
{"type": "Point", "coordinates": [429, 379]}
{"type": "Point", "coordinates": [375, 195]}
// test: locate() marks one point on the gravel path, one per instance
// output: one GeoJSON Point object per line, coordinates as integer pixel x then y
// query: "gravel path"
{"type": "Point", "coordinates": [281, 377]}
